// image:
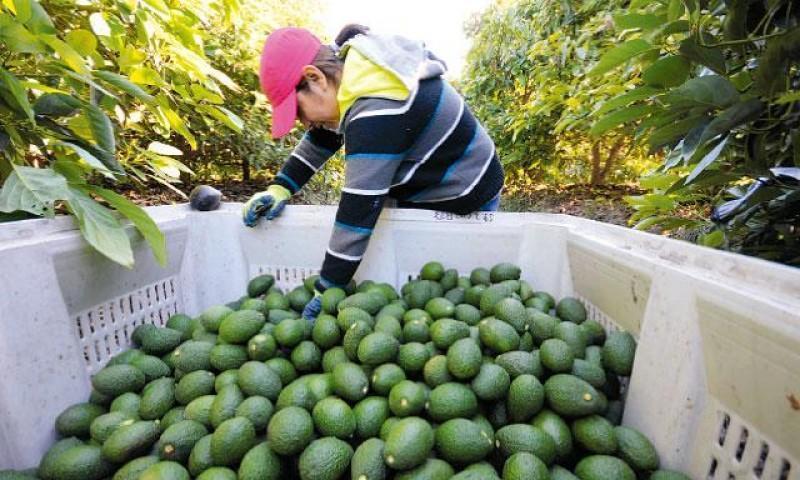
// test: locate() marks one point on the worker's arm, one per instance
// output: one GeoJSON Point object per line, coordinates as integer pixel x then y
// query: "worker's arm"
{"type": "Point", "coordinates": [371, 162]}
{"type": "Point", "coordinates": [316, 147]}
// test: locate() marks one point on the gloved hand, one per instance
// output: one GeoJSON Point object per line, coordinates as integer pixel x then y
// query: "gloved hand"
{"type": "Point", "coordinates": [269, 204]}
{"type": "Point", "coordinates": [313, 307]}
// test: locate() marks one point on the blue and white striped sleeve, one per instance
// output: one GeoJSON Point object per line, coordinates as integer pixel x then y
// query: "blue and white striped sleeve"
{"type": "Point", "coordinates": [316, 147]}
{"type": "Point", "coordinates": [372, 156]}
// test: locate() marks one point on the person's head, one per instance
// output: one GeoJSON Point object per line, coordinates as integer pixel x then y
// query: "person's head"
{"type": "Point", "coordinates": [300, 77]}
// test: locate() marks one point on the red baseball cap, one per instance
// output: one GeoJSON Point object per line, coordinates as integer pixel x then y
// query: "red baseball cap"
{"type": "Point", "coordinates": [286, 51]}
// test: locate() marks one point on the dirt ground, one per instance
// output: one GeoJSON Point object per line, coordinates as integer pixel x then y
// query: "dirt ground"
{"type": "Point", "coordinates": [603, 203]}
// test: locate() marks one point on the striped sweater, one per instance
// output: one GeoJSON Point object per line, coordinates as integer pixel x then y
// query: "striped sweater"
{"type": "Point", "coordinates": [427, 151]}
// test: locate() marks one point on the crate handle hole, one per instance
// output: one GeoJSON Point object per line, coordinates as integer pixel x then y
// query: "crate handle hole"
{"type": "Point", "coordinates": [762, 459]}
{"type": "Point", "coordinates": [742, 444]}
{"type": "Point", "coordinates": [786, 469]}
{"type": "Point", "coordinates": [712, 469]}
{"type": "Point", "coordinates": [723, 429]}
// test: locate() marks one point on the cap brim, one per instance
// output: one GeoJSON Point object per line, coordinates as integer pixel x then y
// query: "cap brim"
{"type": "Point", "coordinates": [284, 116]}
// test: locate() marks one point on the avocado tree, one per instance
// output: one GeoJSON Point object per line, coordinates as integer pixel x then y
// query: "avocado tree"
{"type": "Point", "coordinates": [93, 94]}
{"type": "Point", "coordinates": [718, 94]}
{"type": "Point", "coordinates": [96, 91]}
{"type": "Point", "coordinates": [710, 87]}
{"type": "Point", "coordinates": [236, 51]}
{"type": "Point", "coordinates": [527, 78]}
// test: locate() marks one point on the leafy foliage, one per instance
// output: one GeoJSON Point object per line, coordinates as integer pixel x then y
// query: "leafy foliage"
{"type": "Point", "coordinates": [527, 80]}
{"type": "Point", "coordinates": [101, 92]}
{"type": "Point", "coordinates": [709, 86]}
{"type": "Point", "coordinates": [236, 51]}
{"type": "Point", "coordinates": [719, 103]}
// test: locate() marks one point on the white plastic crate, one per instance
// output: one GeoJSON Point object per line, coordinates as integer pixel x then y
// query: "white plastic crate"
{"type": "Point", "coordinates": [716, 383]}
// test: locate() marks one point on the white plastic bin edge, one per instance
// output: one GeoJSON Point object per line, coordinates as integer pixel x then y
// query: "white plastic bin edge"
{"type": "Point", "coordinates": [717, 369]}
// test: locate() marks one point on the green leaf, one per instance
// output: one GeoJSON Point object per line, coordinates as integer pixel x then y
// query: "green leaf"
{"type": "Point", "coordinates": [713, 239]}
{"type": "Point", "coordinates": [14, 94]}
{"type": "Point", "coordinates": [234, 122]}
{"type": "Point", "coordinates": [100, 228]}
{"type": "Point", "coordinates": [33, 190]}
{"type": "Point", "coordinates": [230, 119]}
{"type": "Point", "coordinates": [17, 38]}
{"type": "Point", "coordinates": [90, 159]}
{"type": "Point", "coordinates": [619, 55]}
{"type": "Point", "coordinates": [722, 124]}
{"type": "Point", "coordinates": [659, 119]}
{"type": "Point", "coordinates": [71, 170]}
{"type": "Point", "coordinates": [657, 181]}
{"type": "Point", "coordinates": [639, 93]}
{"type": "Point", "coordinates": [789, 97]}
{"type": "Point", "coordinates": [38, 87]}
{"type": "Point", "coordinates": [145, 76]}
{"type": "Point", "coordinates": [673, 158]}
{"type": "Point", "coordinates": [200, 93]}
{"type": "Point", "coordinates": [79, 125]}
{"type": "Point", "coordinates": [23, 10]}
{"type": "Point", "coordinates": [648, 222]}
{"type": "Point", "coordinates": [671, 28]}
{"type": "Point", "coordinates": [712, 58]}
{"type": "Point", "coordinates": [102, 130]}
{"type": "Point", "coordinates": [223, 79]}
{"type": "Point", "coordinates": [708, 178]}
{"type": "Point", "coordinates": [734, 116]}
{"type": "Point", "coordinates": [67, 54]}
{"type": "Point", "coordinates": [84, 79]}
{"type": "Point", "coordinates": [712, 155]}
{"type": "Point", "coordinates": [129, 5]}
{"type": "Point", "coordinates": [56, 105]}
{"type": "Point", "coordinates": [83, 41]}
{"type": "Point", "coordinates": [163, 149]}
{"type": "Point", "coordinates": [140, 219]}
{"type": "Point", "coordinates": [741, 80]}
{"type": "Point", "coordinates": [618, 117]}
{"type": "Point", "coordinates": [670, 132]}
{"type": "Point", "coordinates": [712, 91]}
{"type": "Point", "coordinates": [647, 21]}
{"type": "Point", "coordinates": [675, 10]}
{"type": "Point", "coordinates": [38, 20]}
{"type": "Point", "coordinates": [667, 72]}
{"type": "Point", "coordinates": [122, 83]}
{"type": "Point", "coordinates": [130, 57]}
{"type": "Point", "coordinates": [166, 166]}
{"type": "Point", "coordinates": [158, 6]}
{"type": "Point", "coordinates": [659, 201]}
{"type": "Point", "coordinates": [177, 123]}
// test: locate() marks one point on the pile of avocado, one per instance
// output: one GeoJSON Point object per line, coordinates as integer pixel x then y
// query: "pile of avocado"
{"type": "Point", "coordinates": [454, 377]}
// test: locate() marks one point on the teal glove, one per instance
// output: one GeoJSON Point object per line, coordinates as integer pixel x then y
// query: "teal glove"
{"type": "Point", "coordinates": [268, 204]}
{"type": "Point", "coordinates": [313, 308]}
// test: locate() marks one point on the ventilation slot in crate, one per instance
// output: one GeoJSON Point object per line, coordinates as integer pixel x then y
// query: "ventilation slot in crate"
{"type": "Point", "coordinates": [105, 330]}
{"type": "Point", "coordinates": [739, 451]}
{"type": "Point", "coordinates": [594, 313]}
{"type": "Point", "coordinates": [286, 278]}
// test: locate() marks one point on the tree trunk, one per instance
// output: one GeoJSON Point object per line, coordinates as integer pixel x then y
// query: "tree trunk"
{"type": "Point", "coordinates": [595, 163]}
{"type": "Point", "coordinates": [599, 174]}
{"type": "Point", "coordinates": [611, 159]}
{"type": "Point", "coordinates": [245, 169]}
